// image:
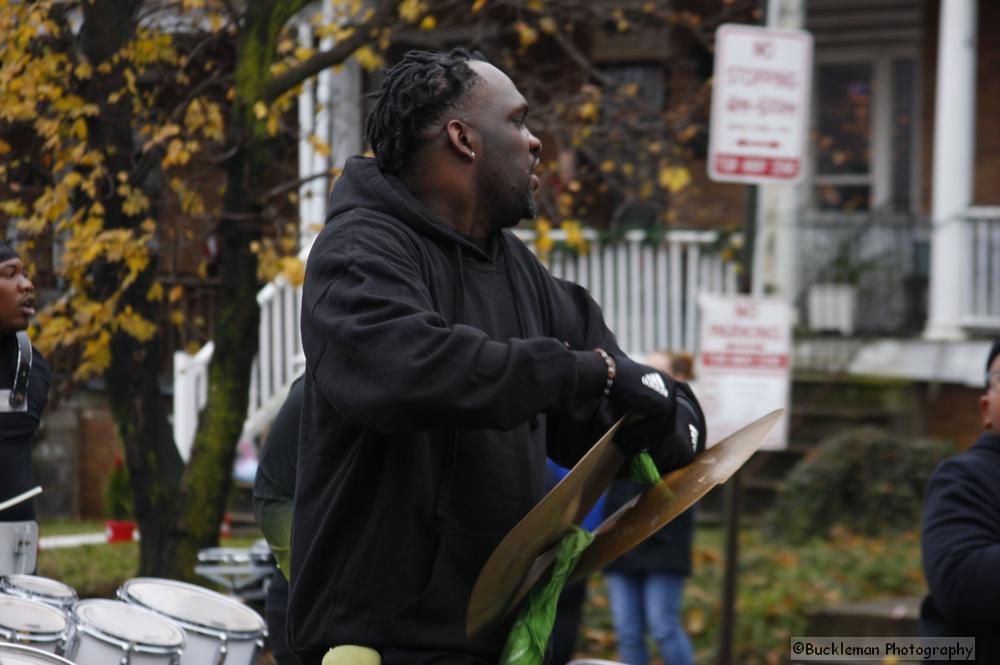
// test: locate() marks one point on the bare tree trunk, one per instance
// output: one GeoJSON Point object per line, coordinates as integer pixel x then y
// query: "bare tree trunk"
{"type": "Point", "coordinates": [137, 402]}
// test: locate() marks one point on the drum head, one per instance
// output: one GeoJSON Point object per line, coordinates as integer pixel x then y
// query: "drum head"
{"type": "Point", "coordinates": [39, 587]}
{"type": "Point", "coordinates": [128, 623]}
{"type": "Point", "coordinates": [194, 605]}
{"type": "Point", "coordinates": [15, 654]}
{"type": "Point", "coordinates": [30, 616]}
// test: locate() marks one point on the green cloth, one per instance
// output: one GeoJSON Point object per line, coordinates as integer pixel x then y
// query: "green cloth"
{"type": "Point", "coordinates": [643, 469]}
{"type": "Point", "coordinates": [274, 517]}
{"type": "Point", "coordinates": [530, 635]}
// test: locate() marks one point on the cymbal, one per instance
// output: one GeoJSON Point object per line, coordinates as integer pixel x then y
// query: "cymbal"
{"type": "Point", "coordinates": [650, 511]}
{"type": "Point", "coordinates": [540, 530]}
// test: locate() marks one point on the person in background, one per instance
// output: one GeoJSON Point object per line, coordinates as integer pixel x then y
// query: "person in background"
{"type": "Point", "coordinates": [960, 539]}
{"type": "Point", "coordinates": [273, 495]}
{"type": "Point", "coordinates": [645, 585]}
{"type": "Point", "coordinates": [24, 390]}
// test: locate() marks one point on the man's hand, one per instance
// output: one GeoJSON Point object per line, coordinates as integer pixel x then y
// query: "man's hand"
{"type": "Point", "coordinates": [673, 436]}
{"type": "Point", "coordinates": [640, 389]}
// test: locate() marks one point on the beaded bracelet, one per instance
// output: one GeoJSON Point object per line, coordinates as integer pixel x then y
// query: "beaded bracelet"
{"type": "Point", "coordinates": [610, 362]}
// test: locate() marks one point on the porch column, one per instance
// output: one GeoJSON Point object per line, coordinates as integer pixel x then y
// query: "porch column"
{"type": "Point", "coordinates": [954, 155]}
{"type": "Point", "coordinates": [775, 270]}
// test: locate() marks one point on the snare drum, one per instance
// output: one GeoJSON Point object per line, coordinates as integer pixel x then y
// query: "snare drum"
{"type": "Point", "coordinates": [219, 630]}
{"type": "Point", "coordinates": [15, 654]}
{"type": "Point", "coordinates": [107, 632]}
{"type": "Point", "coordinates": [32, 623]}
{"type": "Point", "coordinates": [50, 592]}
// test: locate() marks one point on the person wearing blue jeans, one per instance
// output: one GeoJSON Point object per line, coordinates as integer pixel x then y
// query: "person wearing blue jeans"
{"type": "Point", "coordinates": [649, 600]}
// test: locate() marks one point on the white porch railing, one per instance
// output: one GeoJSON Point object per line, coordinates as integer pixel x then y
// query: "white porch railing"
{"type": "Point", "coordinates": [649, 294]}
{"type": "Point", "coordinates": [981, 297]}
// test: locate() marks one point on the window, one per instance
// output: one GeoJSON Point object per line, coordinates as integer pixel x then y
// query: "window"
{"type": "Point", "coordinates": [865, 133]}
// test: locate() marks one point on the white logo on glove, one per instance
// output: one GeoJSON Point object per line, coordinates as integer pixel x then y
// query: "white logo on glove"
{"type": "Point", "coordinates": [694, 437]}
{"type": "Point", "coordinates": [654, 382]}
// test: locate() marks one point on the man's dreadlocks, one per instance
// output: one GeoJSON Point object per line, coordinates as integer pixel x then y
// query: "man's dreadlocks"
{"type": "Point", "coordinates": [414, 95]}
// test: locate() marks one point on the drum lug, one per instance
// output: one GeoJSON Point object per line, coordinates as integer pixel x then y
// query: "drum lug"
{"type": "Point", "coordinates": [223, 649]}
{"type": "Point", "coordinates": [127, 655]}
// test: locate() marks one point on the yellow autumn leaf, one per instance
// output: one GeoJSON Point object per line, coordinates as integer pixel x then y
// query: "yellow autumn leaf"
{"type": "Point", "coordinates": [134, 201]}
{"type": "Point", "coordinates": [587, 111]}
{"type": "Point", "coordinates": [411, 10]}
{"type": "Point", "coordinates": [547, 24]}
{"type": "Point", "coordinates": [478, 5]}
{"type": "Point", "coordinates": [543, 244]}
{"type": "Point", "coordinates": [260, 110]}
{"type": "Point", "coordinates": [135, 325]}
{"type": "Point", "coordinates": [79, 129]}
{"type": "Point", "coordinates": [176, 293]}
{"type": "Point", "coordinates": [674, 178]}
{"type": "Point", "coordinates": [368, 58]}
{"type": "Point", "coordinates": [83, 70]}
{"type": "Point", "coordinates": [526, 34]}
{"type": "Point", "coordinates": [294, 270]}
{"type": "Point", "coordinates": [694, 620]}
{"type": "Point", "coordinates": [155, 292]}
{"type": "Point", "coordinates": [429, 23]}
{"type": "Point", "coordinates": [176, 317]}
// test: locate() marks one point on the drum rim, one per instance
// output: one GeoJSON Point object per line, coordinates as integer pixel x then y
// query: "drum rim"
{"type": "Point", "coordinates": [24, 593]}
{"type": "Point", "coordinates": [79, 625]}
{"type": "Point", "coordinates": [57, 659]}
{"type": "Point", "coordinates": [38, 604]}
{"type": "Point", "coordinates": [210, 631]}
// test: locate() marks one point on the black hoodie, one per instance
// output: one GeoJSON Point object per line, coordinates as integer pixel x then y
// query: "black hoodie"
{"type": "Point", "coordinates": [438, 375]}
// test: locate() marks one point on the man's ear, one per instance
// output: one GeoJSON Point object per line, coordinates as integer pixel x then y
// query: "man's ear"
{"type": "Point", "coordinates": [984, 410]}
{"type": "Point", "coordinates": [461, 139]}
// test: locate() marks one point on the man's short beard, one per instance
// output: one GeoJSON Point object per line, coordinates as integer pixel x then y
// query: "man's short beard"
{"type": "Point", "coordinates": [506, 202]}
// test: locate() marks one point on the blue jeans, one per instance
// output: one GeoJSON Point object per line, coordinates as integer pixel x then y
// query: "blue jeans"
{"type": "Point", "coordinates": [653, 600]}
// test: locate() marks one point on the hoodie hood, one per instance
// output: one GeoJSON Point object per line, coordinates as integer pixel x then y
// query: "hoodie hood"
{"type": "Point", "coordinates": [363, 185]}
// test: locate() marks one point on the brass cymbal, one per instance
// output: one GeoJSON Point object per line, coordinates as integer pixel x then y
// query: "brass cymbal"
{"type": "Point", "coordinates": [650, 511]}
{"type": "Point", "coordinates": [654, 508]}
{"type": "Point", "coordinates": [540, 530]}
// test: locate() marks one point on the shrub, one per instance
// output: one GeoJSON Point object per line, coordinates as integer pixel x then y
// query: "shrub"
{"type": "Point", "coordinates": [862, 478]}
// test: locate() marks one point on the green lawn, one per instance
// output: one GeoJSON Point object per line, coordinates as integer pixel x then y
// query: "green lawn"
{"type": "Point", "coordinates": [777, 588]}
{"type": "Point", "coordinates": [96, 571]}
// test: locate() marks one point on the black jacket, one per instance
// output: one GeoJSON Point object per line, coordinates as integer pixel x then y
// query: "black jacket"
{"type": "Point", "coordinates": [438, 374]}
{"type": "Point", "coordinates": [18, 427]}
{"type": "Point", "coordinates": [961, 548]}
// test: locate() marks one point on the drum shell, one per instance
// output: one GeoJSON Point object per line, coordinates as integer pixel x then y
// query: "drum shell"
{"type": "Point", "coordinates": [16, 654]}
{"type": "Point", "coordinates": [18, 585]}
{"type": "Point", "coordinates": [203, 643]}
{"type": "Point", "coordinates": [91, 645]}
{"type": "Point", "coordinates": [50, 641]}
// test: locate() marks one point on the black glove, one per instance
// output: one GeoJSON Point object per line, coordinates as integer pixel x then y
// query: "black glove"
{"type": "Point", "coordinates": [673, 438]}
{"type": "Point", "coordinates": [640, 389]}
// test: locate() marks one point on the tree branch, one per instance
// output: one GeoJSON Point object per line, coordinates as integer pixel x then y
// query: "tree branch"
{"type": "Point", "coordinates": [384, 11]}
{"type": "Point", "coordinates": [286, 187]}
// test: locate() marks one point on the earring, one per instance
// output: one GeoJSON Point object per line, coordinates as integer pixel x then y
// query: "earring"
{"type": "Point", "coordinates": [470, 156]}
